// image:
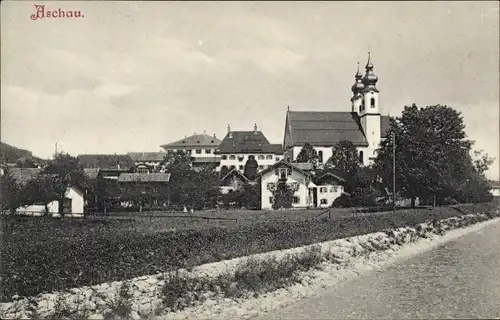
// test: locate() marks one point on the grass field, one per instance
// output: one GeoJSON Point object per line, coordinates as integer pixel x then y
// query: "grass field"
{"type": "Point", "coordinates": [41, 254]}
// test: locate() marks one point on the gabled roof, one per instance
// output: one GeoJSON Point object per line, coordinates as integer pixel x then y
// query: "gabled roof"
{"type": "Point", "coordinates": [23, 175]}
{"type": "Point", "coordinates": [248, 142]}
{"type": "Point", "coordinates": [328, 174]}
{"type": "Point", "coordinates": [91, 173]}
{"type": "Point", "coordinates": [144, 177]}
{"type": "Point", "coordinates": [194, 141]}
{"type": "Point", "coordinates": [147, 156]}
{"type": "Point", "coordinates": [305, 166]}
{"type": "Point", "coordinates": [280, 163]}
{"type": "Point", "coordinates": [106, 161]}
{"type": "Point", "coordinates": [235, 172]}
{"type": "Point", "coordinates": [327, 128]}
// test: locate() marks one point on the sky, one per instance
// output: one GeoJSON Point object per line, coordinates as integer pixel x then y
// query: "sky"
{"type": "Point", "coordinates": [130, 76]}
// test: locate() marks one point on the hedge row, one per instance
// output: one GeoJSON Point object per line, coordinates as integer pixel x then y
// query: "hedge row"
{"type": "Point", "coordinates": [36, 260]}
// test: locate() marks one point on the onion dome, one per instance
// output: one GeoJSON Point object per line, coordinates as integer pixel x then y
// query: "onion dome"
{"type": "Point", "coordinates": [370, 79]}
{"type": "Point", "coordinates": [358, 84]}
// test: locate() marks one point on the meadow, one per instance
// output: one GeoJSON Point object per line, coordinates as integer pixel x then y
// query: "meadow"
{"type": "Point", "coordinates": [41, 254]}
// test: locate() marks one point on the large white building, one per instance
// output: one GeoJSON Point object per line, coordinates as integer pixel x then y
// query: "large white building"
{"type": "Point", "coordinates": [237, 146]}
{"type": "Point", "coordinates": [201, 147]}
{"type": "Point", "coordinates": [364, 126]}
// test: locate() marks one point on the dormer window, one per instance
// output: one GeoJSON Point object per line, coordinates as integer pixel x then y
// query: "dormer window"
{"type": "Point", "coordinates": [283, 173]}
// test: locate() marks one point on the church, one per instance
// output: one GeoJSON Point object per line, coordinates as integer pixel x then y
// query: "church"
{"type": "Point", "coordinates": [364, 125]}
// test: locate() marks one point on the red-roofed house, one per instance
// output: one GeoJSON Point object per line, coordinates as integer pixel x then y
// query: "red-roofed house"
{"type": "Point", "coordinates": [364, 126]}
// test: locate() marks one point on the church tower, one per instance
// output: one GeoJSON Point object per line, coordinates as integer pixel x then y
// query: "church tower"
{"type": "Point", "coordinates": [370, 111]}
{"type": "Point", "coordinates": [357, 90]}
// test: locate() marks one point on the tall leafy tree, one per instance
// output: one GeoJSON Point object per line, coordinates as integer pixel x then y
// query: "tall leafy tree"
{"type": "Point", "coordinates": [10, 193]}
{"type": "Point", "coordinates": [432, 154]}
{"type": "Point", "coordinates": [283, 196]}
{"type": "Point", "coordinates": [344, 157]}
{"type": "Point", "coordinates": [308, 154]}
{"type": "Point", "coordinates": [251, 168]}
{"type": "Point", "coordinates": [359, 180]}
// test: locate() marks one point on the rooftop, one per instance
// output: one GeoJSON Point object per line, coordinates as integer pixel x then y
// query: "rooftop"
{"type": "Point", "coordinates": [327, 128]}
{"type": "Point", "coordinates": [196, 140]}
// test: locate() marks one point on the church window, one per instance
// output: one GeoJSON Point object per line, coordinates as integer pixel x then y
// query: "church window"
{"type": "Point", "coordinates": [320, 156]}
{"type": "Point", "coordinates": [372, 102]}
{"type": "Point", "coordinates": [361, 157]}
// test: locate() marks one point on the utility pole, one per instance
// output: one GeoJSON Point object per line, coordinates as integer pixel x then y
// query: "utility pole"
{"type": "Point", "coordinates": [393, 172]}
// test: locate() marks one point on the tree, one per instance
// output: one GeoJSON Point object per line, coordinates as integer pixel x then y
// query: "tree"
{"type": "Point", "coordinates": [251, 168]}
{"type": "Point", "coordinates": [10, 193]}
{"type": "Point", "coordinates": [199, 189]}
{"type": "Point", "coordinates": [282, 196]}
{"type": "Point", "coordinates": [42, 189]}
{"type": "Point", "coordinates": [432, 154]}
{"type": "Point", "coordinates": [250, 196]}
{"type": "Point", "coordinates": [308, 154]}
{"type": "Point", "coordinates": [344, 157]}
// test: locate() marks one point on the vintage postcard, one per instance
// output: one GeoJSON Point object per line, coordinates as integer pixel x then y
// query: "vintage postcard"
{"type": "Point", "coordinates": [249, 160]}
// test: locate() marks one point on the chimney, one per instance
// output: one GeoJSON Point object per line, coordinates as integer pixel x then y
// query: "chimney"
{"type": "Point", "coordinates": [215, 136]}
{"type": "Point", "coordinates": [255, 128]}
{"type": "Point", "coordinates": [228, 128]}
{"type": "Point", "coordinates": [204, 131]}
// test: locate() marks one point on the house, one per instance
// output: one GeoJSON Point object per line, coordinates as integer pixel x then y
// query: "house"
{"type": "Point", "coordinates": [308, 191]}
{"type": "Point", "coordinates": [151, 188]}
{"type": "Point", "coordinates": [238, 146]}
{"type": "Point", "coordinates": [325, 189]}
{"type": "Point", "coordinates": [147, 162]}
{"type": "Point", "coordinates": [495, 188]}
{"type": "Point", "coordinates": [201, 147]}
{"type": "Point", "coordinates": [364, 125]}
{"type": "Point", "coordinates": [106, 161]}
{"type": "Point", "coordinates": [74, 199]}
{"type": "Point", "coordinates": [234, 180]}
{"type": "Point", "coordinates": [110, 165]}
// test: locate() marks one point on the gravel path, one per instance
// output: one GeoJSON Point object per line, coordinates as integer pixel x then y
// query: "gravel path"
{"type": "Point", "coordinates": [459, 279]}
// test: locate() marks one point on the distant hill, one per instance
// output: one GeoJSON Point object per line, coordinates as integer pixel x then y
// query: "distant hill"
{"type": "Point", "coordinates": [11, 154]}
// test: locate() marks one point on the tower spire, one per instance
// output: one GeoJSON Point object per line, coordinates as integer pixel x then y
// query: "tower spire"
{"type": "Point", "coordinates": [358, 84]}
{"type": "Point", "coordinates": [370, 79]}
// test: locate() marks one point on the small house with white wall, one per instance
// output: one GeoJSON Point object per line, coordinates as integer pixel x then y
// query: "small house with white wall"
{"type": "Point", "coordinates": [327, 187]}
{"type": "Point", "coordinates": [495, 188]}
{"type": "Point", "coordinates": [234, 180]}
{"type": "Point", "coordinates": [308, 192]}
{"type": "Point", "coordinates": [73, 202]}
